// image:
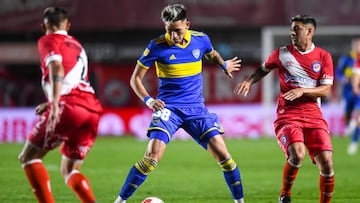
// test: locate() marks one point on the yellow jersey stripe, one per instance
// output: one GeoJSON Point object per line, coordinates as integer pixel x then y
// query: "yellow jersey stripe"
{"type": "Point", "coordinates": [178, 70]}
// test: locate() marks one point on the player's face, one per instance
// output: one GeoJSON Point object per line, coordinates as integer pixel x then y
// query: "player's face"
{"type": "Point", "coordinates": [177, 30]}
{"type": "Point", "coordinates": [299, 34]}
{"type": "Point", "coordinates": [356, 45]}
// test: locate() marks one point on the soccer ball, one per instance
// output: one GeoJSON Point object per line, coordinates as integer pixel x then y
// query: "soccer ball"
{"type": "Point", "coordinates": [152, 200]}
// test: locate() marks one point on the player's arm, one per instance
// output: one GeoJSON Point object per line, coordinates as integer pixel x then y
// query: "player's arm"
{"type": "Point", "coordinates": [56, 76]}
{"type": "Point", "coordinates": [319, 91]}
{"type": "Point", "coordinates": [139, 89]}
{"type": "Point", "coordinates": [228, 66]}
{"type": "Point", "coordinates": [243, 87]}
{"type": "Point", "coordinates": [355, 81]}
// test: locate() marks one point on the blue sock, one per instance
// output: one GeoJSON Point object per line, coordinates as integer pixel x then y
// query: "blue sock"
{"type": "Point", "coordinates": [134, 179]}
{"type": "Point", "coordinates": [233, 180]}
{"type": "Point", "coordinates": [355, 137]}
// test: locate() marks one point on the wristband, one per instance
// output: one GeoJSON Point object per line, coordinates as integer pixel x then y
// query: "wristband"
{"type": "Point", "coordinates": [224, 65]}
{"type": "Point", "coordinates": [148, 100]}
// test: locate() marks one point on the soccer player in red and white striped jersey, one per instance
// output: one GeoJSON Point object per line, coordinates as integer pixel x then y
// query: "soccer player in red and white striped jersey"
{"type": "Point", "coordinates": [306, 75]}
{"type": "Point", "coordinates": [70, 117]}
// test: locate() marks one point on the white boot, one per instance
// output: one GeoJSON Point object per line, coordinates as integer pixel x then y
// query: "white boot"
{"type": "Point", "coordinates": [119, 200]}
{"type": "Point", "coordinates": [239, 200]}
{"type": "Point", "coordinates": [352, 149]}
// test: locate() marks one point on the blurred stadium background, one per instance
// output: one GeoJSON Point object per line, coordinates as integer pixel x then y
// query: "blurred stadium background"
{"type": "Point", "coordinates": [114, 33]}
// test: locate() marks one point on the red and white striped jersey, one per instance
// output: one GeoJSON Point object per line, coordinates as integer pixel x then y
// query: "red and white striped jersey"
{"type": "Point", "coordinates": [60, 46]}
{"type": "Point", "coordinates": [65, 48]}
{"type": "Point", "coordinates": [300, 69]}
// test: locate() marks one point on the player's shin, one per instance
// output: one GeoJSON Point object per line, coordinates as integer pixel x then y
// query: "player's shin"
{"type": "Point", "coordinates": [39, 180]}
{"type": "Point", "coordinates": [290, 172]}
{"type": "Point", "coordinates": [137, 176]}
{"type": "Point", "coordinates": [327, 183]}
{"type": "Point", "coordinates": [80, 185]}
{"type": "Point", "coordinates": [233, 179]}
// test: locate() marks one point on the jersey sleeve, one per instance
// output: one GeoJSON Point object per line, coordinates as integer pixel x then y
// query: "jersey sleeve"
{"type": "Point", "coordinates": [49, 50]}
{"type": "Point", "coordinates": [356, 68]}
{"type": "Point", "coordinates": [271, 62]}
{"type": "Point", "coordinates": [327, 76]}
{"type": "Point", "coordinates": [148, 58]}
{"type": "Point", "coordinates": [208, 47]}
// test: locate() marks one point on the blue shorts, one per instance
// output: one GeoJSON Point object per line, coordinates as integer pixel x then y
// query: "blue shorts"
{"type": "Point", "coordinates": [352, 102]}
{"type": "Point", "coordinates": [197, 121]}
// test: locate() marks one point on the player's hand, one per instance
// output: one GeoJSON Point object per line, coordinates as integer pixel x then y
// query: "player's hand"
{"type": "Point", "coordinates": [41, 108]}
{"type": "Point", "coordinates": [293, 94]}
{"type": "Point", "coordinates": [232, 65]}
{"type": "Point", "coordinates": [157, 105]}
{"type": "Point", "coordinates": [54, 118]}
{"type": "Point", "coordinates": [242, 88]}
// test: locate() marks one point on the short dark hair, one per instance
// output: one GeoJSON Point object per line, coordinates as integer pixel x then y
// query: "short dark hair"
{"type": "Point", "coordinates": [305, 19]}
{"type": "Point", "coordinates": [55, 15]}
{"type": "Point", "coordinates": [173, 13]}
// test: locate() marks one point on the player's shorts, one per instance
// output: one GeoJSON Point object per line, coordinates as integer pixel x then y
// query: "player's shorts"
{"type": "Point", "coordinates": [198, 122]}
{"type": "Point", "coordinates": [76, 131]}
{"type": "Point", "coordinates": [315, 139]}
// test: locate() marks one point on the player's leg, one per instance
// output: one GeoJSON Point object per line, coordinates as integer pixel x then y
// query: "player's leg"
{"type": "Point", "coordinates": [160, 133]}
{"type": "Point", "coordinates": [216, 146]}
{"type": "Point", "coordinates": [81, 131]}
{"type": "Point", "coordinates": [290, 139]}
{"type": "Point", "coordinates": [353, 146]}
{"type": "Point", "coordinates": [326, 179]}
{"type": "Point", "coordinates": [296, 152]}
{"type": "Point", "coordinates": [139, 172]}
{"type": "Point", "coordinates": [320, 150]}
{"type": "Point", "coordinates": [36, 173]}
{"type": "Point", "coordinates": [79, 184]}
{"type": "Point", "coordinates": [206, 131]}
{"type": "Point", "coordinates": [349, 106]}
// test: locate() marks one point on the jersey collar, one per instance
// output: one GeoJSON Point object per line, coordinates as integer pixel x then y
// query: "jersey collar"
{"type": "Point", "coordinates": [308, 51]}
{"type": "Point", "coordinates": [187, 37]}
{"type": "Point", "coordinates": [61, 32]}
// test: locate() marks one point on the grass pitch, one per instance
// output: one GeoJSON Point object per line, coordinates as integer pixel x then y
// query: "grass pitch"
{"type": "Point", "coordinates": [187, 173]}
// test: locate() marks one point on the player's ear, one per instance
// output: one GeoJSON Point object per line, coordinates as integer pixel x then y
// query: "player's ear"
{"type": "Point", "coordinates": [187, 24]}
{"type": "Point", "coordinates": [43, 27]}
{"type": "Point", "coordinates": [311, 30]}
{"type": "Point", "coordinates": [68, 25]}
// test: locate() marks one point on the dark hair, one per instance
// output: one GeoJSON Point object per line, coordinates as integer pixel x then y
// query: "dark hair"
{"type": "Point", "coordinates": [55, 15]}
{"type": "Point", "coordinates": [173, 13]}
{"type": "Point", "coordinates": [306, 19]}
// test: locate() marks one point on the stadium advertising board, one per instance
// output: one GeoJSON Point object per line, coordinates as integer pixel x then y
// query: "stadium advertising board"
{"type": "Point", "coordinates": [239, 121]}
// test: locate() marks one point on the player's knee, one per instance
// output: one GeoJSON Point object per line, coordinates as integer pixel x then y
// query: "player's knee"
{"type": "Point", "coordinates": [146, 165]}
{"type": "Point", "coordinates": [326, 167]}
{"type": "Point", "coordinates": [228, 164]}
{"type": "Point", "coordinates": [21, 158]}
{"type": "Point", "coordinates": [296, 158]}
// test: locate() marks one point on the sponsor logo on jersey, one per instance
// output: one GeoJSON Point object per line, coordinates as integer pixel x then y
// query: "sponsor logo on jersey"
{"type": "Point", "coordinates": [172, 57]}
{"type": "Point", "coordinates": [146, 52]}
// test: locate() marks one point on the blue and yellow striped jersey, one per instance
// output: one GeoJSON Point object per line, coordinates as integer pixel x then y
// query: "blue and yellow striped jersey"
{"type": "Point", "coordinates": [178, 67]}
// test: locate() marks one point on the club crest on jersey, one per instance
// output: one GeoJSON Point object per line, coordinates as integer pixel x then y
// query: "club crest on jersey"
{"type": "Point", "coordinates": [316, 67]}
{"type": "Point", "coordinates": [196, 53]}
{"type": "Point", "coordinates": [283, 139]}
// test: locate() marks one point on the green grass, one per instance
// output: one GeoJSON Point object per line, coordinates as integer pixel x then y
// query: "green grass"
{"type": "Point", "coordinates": [187, 173]}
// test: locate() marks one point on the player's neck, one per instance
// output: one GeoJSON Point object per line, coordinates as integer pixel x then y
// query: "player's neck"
{"type": "Point", "coordinates": [308, 46]}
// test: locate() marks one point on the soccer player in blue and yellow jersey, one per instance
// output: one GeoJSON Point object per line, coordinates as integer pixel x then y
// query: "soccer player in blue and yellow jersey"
{"type": "Point", "coordinates": [177, 56]}
{"type": "Point", "coordinates": [346, 73]}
